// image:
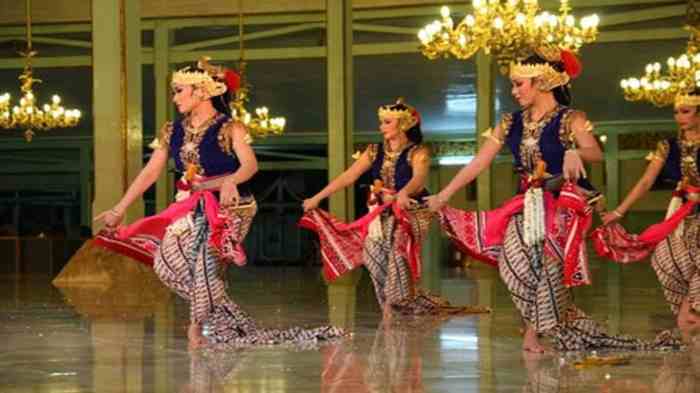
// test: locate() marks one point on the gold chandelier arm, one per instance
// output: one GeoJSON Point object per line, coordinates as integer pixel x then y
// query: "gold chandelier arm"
{"type": "Point", "coordinates": [27, 114]}
{"type": "Point", "coordinates": [692, 15]}
{"type": "Point", "coordinates": [258, 123]}
{"type": "Point", "coordinates": [241, 43]}
{"type": "Point", "coordinates": [28, 9]}
{"type": "Point", "coordinates": [507, 30]}
{"type": "Point", "coordinates": [681, 76]}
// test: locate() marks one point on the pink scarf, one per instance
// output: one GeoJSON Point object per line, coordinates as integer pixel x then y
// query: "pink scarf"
{"type": "Point", "coordinates": [567, 218]}
{"type": "Point", "coordinates": [342, 243]}
{"type": "Point", "coordinates": [613, 242]}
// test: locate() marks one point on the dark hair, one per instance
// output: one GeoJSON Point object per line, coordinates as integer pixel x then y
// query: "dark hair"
{"type": "Point", "coordinates": [561, 93]}
{"type": "Point", "coordinates": [220, 102]}
{"type": "Point", "coordinates": [414, 133]}
{"type": "Point", "coordinates": [695, 92]}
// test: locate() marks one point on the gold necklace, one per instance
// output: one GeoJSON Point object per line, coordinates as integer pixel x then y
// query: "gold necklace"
{"type": "Point", "coordinates": [391, 154]}
{"type": "Point", "coordinates": [533, 124]}
{"type": "Point", "coordinates": [689, 141]}
{"type": "Point", "coordinates": [196, 131]}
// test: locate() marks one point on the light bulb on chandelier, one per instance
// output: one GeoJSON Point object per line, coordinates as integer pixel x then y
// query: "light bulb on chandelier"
{"type": "Point", "coordinates": [259, 124]}
{"type": "Point", "coordinates": [508, 30]}
{"type": "Point", "coordinates": [681, 75]}
{"type": "Point", "coordinates": [660, 87]}
{"type": "Point", "coordinates": [27, 115]}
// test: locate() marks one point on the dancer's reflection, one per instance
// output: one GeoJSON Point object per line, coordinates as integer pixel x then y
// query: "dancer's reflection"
{"type": "Point", "coordinates": [344, 369]}
{"type": "Point", "coordinates": [396, 359]}
{"type": "Point", "coordinates": [210, 370]}
{"type": "Point", "coordinates": [394, 363]}
{"type": "Point", "coordinates": [679, 373]}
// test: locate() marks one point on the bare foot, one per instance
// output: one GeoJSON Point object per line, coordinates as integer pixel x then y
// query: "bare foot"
{"type": "Point", "coordinates": [687, 318]}
{"type": "Point", "coordinates": [194, 345]}
{"type": "Point", "coordinates": [387, 314]}
{"type": "Point", "coordinates": [530, 341]}
{"type": "Point", "coordinates": [195, 337]}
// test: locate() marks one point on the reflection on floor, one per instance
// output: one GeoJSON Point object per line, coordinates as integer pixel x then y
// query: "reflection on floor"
{"type": "Point", "coordinates": [131, 338]}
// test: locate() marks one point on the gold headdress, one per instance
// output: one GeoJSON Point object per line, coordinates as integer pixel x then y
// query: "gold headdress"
{"type": "Point", "coordinates": [548, 76]}
{"type": "Point", "coordinates": [686, 100]}
{"type": "Point", "coordinates": [408, 116]}
{"type": "Point", "coordinates": [203, 79]}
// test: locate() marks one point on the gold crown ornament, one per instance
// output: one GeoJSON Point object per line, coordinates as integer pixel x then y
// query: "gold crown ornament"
{"type": "Point", "coordinates": [203, 79]}
{"type": "Point", "coordinates": [548, 76]}
{"type": "Point", "coordinates": [407, 115]}
{"type": "Point", "coordinates": [686, 100]}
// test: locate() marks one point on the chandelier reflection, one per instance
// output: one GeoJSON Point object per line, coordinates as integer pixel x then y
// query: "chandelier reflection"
{"type": "Point", "coordinates": [28, 115]}
{"type": "Point", "coordinates": [506, 29]}
{"type": "Point", "coordinates": [259, 123]}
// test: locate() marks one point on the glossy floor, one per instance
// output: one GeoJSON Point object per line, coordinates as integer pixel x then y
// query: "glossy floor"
{"type": "Point", "coordinates": [131, 339]}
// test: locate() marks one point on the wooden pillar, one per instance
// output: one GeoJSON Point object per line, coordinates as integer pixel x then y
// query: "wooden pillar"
{"type": "Point", "coordinates": [118, 134]}
{"type": "Point", "coordinates": [612, 196]}
{"type": "Point", "coordinates": [342, 292]}
{"type": "Point", "coordinates": [434, 250]}
{"type": "Point", "coordinates": [340, 100]}
{"type": "Point", "coordinates": [162, 39]}
{"type": "Point", "coordinates": [485, 74]}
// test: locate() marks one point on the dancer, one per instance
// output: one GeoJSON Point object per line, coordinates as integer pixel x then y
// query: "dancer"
{"type": "Point", "coordinates": [192, 242]}
{"type": "Point", "coordinates": [675, 242]}
{"type": "Point", "coordinates": [387, 240]}
{"type": "Point", "coordinates": [537, 238]}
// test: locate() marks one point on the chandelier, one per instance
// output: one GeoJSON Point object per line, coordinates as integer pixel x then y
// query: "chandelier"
{"type": "Point", "coordinates": [27, 114]}
{"type": "Point", "coordinates": [259, 124]}
{"type": "Point", "coordinates": [508, 30]}
{"type": "Point", "coordinates": [682, 74]}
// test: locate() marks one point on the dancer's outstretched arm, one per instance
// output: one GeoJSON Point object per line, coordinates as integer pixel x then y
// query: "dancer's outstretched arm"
{"type": "Point", "coordinates": [469, 172]}
{"type": "Point", "coordinates": [148, 175]}
{"type": "Point", "coordinates": [345, 179]}
{"type": "Point", "coordinates": [639, 190]}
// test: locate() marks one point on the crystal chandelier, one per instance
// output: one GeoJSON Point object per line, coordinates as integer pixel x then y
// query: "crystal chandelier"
{"type": "Point", "coordinates": [27, 114]}
{"type": "Point", "coordinates": [259, 124]}
{"type": "Point", "coordinates": [681, 76]}
{"type": "Point", "coordinates": [508, 30]}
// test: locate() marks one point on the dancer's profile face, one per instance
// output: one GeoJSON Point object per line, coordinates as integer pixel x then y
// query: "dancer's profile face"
{"type": "Point", "coordinates": [524, 91]}
{"type": "Point", "coordinates": [687, 117]}
{"type": "Point", "coordinates": [389, 127]}
{"type": "Point", "coordinates": [186, 97]}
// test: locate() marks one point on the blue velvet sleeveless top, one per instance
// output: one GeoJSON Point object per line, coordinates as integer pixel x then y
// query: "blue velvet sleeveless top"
{"type": "Point", "coordinates": [550, 145]}
{"type": "Point", "coordinates": [674, 170]}
{"type": "Point", "coordinates": [208, 154]}
{"type": "Point", "coordinates": [402, 171]}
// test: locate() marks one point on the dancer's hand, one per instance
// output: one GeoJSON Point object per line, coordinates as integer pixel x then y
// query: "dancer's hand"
{"type": "Point", "coordinates": [573, 166]}
{"type": "Point", "coordinates": [610, 217]}
{"type": "Point", "coordinates": [436, 202]}
{"type": "Point", "coordinates": [197, 184]}
{"type": "Point", "coordinates": [111, 218]}
{"type": "Point", "coordinates": [229, 193]}
{"type": "Point", "coordinates": [404, 201]}
{"type": "Point", "coordinates": [310, 204]}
